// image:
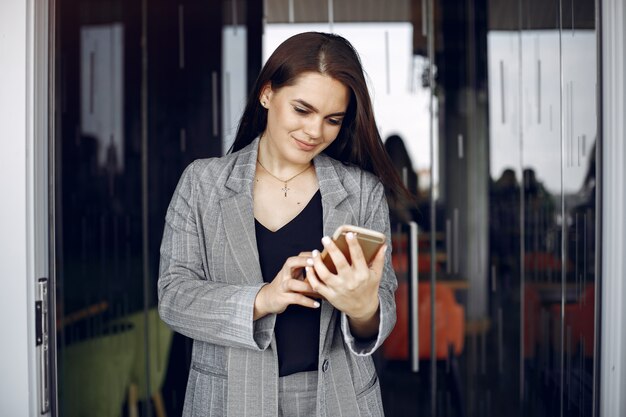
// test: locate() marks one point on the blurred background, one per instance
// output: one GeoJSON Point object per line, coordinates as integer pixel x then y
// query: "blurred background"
{"type": "Point", "coordinates": [488, 108]}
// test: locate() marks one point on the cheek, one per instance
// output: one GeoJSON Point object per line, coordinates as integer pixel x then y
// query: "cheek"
{"type": "Point", "coordinates": [280, 120]}
{"type": "Point", "coordinates": [288, 120]}
{"type": "Point", "coordinates": [330, 133]}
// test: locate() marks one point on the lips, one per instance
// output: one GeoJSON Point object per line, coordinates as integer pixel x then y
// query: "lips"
{"type": "Point", "coordinates": [304, 145]}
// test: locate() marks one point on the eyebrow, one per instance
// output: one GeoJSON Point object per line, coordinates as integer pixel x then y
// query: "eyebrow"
{"type": "Point", "coordinates": [313, 108]}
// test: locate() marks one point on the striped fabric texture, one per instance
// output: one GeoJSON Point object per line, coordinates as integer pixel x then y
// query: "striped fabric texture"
{"type": "Point", "coordinates": [209, 277]}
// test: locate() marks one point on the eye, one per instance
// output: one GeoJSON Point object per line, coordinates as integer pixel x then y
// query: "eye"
{"type": "Point", "coordinates": [335, 122]}
{"type": "Point", "coordinates": [300, 110]}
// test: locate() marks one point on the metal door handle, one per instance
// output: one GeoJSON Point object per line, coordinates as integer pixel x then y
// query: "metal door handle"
{"type": "Point", "coordinates": [414, 293]}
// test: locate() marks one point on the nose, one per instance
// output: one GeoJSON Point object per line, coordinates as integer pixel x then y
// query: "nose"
{"type": "Point", "coordinates": [314, 127]}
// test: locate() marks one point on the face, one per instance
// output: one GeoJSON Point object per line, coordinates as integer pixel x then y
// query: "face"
{"type": "Point", "coordinates": [303, 119]}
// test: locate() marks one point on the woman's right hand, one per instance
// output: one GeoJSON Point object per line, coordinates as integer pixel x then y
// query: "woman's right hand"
{"type": "Point", "coordinates": [285, 289]}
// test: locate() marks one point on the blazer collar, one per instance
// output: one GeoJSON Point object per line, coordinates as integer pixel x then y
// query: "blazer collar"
{"type": "Point", "coordinates": [241, 179]}
{"type": "Point", "coordinates": [329, 173]}
{"type": "Point", "coordinates": [238, 213]}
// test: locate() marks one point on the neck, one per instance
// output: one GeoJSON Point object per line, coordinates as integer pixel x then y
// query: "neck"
{"type": "Point", "coordinates": [273, 161]}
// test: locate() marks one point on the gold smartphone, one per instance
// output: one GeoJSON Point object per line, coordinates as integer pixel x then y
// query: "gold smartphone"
{"type": "Point", "coordinates": [370, 240]}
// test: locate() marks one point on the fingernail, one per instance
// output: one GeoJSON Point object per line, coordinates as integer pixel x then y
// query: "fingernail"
{"type": "Point", "coordinates": [308, 269]}
{"type": "Point", "coordinates": [310, 261]}
{"type": "Point", "coordinates": [325, 240]}
{"type": "Point", "coordinates": [316, 304]}
{"type": "Point", "coordinates": [350, 235]}
{"type": "Point", "coordinates": [315, 254]}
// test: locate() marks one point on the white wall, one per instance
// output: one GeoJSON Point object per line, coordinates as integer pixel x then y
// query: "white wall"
{"type": "Point", "coordinates": [17, 351]}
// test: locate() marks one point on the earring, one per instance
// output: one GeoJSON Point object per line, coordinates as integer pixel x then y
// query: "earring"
{"type": "Point", "coordinates": [264, 103]}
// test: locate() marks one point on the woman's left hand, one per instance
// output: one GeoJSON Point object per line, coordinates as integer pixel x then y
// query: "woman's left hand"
{"type": "Point", "coordinates": [354, 288]}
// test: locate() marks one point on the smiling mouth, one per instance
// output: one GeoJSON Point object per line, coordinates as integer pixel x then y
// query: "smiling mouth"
{"type": "Point", "coordinates": [305, 145]}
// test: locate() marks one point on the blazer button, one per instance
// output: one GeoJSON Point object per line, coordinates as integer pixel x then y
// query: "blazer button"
{"type": "Point", "coordinates": [325, 365]}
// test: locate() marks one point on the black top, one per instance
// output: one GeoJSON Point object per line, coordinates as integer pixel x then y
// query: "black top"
{"type": "Point", "coordinates": [297, 328]}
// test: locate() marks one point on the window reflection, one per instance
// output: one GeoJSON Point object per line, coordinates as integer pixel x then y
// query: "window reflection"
{"type": "Point", "coordinates": [137, 101]}
{"type": "Point", "coordinates": [539, 139]}
{"type": "Point", "coordinates": [513, 176]}
{"type": "Point", "coordinates": [544, 141]}
{"type": "Point", "coordinates": [102, 84]}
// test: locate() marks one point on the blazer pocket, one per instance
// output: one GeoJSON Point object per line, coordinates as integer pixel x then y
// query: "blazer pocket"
{"type": "Point", "coordinates": [369, 399]}
{"type": "Point", "coordinates": [208, 370]}
{"type": "Point", "coordinates": [206, 391]}
{"type": "Point", "coordinates": [371, 384]}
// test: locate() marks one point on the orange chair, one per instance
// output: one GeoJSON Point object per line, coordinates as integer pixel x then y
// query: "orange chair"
{"type": "Point", "coordinates": [449, 335]}
{"type": "Point", "coordinates": [400, 258]}
{"type": "Point", "coordinates": [541, 261]}
{"type": "Point", "coordinates": [579, 318]}
{"type": "Point", "coordinates": [582, 319]}
{"type": "Point", "coordinates": [532, 315]}
{"type": "Point", "coordinates": [449, 324]}
{"type": "Point", "coordinates": [396, 346]}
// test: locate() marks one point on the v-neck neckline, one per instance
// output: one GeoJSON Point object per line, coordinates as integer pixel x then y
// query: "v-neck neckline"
{"type": "Point", "coordinates": [281, 228]}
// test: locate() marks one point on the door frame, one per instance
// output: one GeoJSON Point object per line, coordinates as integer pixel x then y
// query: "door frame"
{"type": "Point", "coordinates": [24, 220]}
{"type": "Point", "coordinates": [612, 340]}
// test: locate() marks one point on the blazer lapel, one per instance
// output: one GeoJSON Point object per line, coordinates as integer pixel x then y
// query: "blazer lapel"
{"type": "Point", "coordinates": [238, 214]}
{"type": "Point", "coordinates": [333, 194]}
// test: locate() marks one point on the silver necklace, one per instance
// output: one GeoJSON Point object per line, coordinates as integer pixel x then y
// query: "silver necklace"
{"type": "Point", "coordinates": [285, 188]}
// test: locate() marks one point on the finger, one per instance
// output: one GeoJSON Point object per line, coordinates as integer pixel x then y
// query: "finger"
{"type": "Point", "coordinates": [302, 300]}
{"type": "Point", "coordinates": [356, 252]}
{"type": "Point", "coordinates": [335, 254]}
{"type": "Point", "coordinates": [295, 262]}
{"type": "Point", "coordinates": [379, 261]}
{"type": "Point", "coordinates": [299, 274]}
{"type": "Point", "coordinates": [316, 284]}
{"type": "Point", "coordinates": [322, 273]}
{"type": "Point", "coordinates": [295, 285]}
{"type": "Point", "coordinates": [294, 266]}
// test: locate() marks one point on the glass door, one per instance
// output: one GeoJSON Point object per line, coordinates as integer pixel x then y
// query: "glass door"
{"type": "Point", "coordinates": [138, 97]}
{"type": "Point", "coordinates": [488, 110]}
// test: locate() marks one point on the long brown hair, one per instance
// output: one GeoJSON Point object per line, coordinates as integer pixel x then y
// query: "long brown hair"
{"type": "Point", "coordinates": [358, 141]}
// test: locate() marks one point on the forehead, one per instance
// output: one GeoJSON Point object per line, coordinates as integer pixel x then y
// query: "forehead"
{"type": "Point", "coordinates": [324, 92]}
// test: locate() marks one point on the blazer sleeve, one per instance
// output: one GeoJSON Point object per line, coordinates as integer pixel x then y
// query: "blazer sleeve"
{"type": "Point", "coordinates": [191, 304]}
{"type": "Point", "coordinates": [377, 219]}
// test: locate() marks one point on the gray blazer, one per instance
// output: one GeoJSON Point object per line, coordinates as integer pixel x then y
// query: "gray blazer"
{"type": "Point", "coordinates": [210, 275]}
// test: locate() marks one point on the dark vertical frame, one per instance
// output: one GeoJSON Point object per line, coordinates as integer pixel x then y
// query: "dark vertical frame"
{"type": "Point", "coordinates": [254, 21]}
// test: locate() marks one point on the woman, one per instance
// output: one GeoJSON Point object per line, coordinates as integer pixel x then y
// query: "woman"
{"type": "Point", "coordinates": [241, 229]}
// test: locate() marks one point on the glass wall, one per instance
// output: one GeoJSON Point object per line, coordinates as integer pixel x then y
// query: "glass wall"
{"type": "Point", "coordinates": [138, 97]}
{"type": "Point", "coordinates": [488, 109]}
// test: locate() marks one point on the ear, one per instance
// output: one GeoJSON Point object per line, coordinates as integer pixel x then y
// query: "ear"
{"type": "Point", "coordinates": [266, 95]}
